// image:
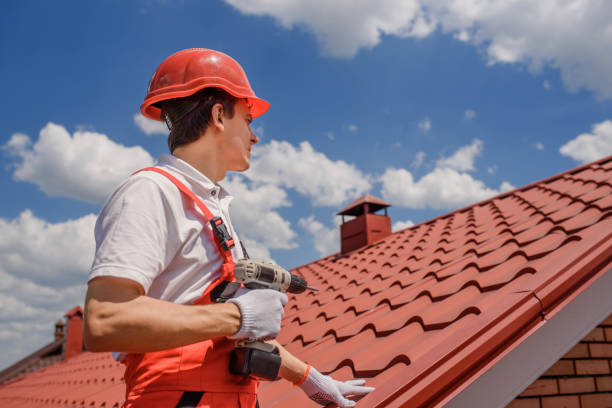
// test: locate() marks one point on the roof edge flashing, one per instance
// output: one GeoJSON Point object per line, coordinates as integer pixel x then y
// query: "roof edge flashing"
{"type": "Point", "coordinates": [532, 357]}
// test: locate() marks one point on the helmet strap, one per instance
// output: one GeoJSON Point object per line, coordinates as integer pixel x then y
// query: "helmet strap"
{"type": "Point", "coordinates": [179, 112]}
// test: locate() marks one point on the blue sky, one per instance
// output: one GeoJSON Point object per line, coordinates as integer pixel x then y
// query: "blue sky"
{"type": "Point", "coordinates": [430, 108]}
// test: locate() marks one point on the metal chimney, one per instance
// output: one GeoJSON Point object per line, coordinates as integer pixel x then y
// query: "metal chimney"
{"type": "Point", "coordinates": [366, 227]}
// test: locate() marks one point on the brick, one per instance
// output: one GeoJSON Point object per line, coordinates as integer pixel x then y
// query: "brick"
{"type": "Point", "coordinates": [525, 403]}
{"type": "Point", "coordinates": [577, 385]}
{"type": "Point", "coordinates": [561, 367]}
{"type": "Point", "coordinates": [601, 350]}
{"type": "Point", "coordinates": [596, 335]}
{"type": "Point", "coordinates": [596, 400]}
{"type": "Point", "coordinates": [607, 322]}
{"type": "Point", "coordinates": [608, 332]}
{"type": "Point", "coordinates": [592, 367]}
{"type": "Point", "coordinates": [565, 401]}
{"type": "Point", "coordinates": [541, 387]}
{"type": "Point", "coordinates": [604, 383]}
{"type": "Point", "coordinates": [580, 350]}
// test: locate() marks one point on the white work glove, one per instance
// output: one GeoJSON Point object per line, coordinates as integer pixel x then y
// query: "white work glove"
{"type": "Point", "coordinates": [325, 390]}
{"type": "Point", "coordinates": [261, 313]}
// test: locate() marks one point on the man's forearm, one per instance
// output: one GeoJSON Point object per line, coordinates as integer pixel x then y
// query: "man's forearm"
{"type": "Point", "coordinates": [125, 321]}
{"type": "Point", "coordinates": [322, 389]}
{"type": "Point", "coordinates": [292, 368]}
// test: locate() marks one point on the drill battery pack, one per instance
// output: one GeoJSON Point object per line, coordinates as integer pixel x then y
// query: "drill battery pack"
{"type": "Point", "coordinates": [257, 360]}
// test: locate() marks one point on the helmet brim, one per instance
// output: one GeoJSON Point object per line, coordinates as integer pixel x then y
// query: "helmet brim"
{"type": "Point", "coordinates": [258, 106]}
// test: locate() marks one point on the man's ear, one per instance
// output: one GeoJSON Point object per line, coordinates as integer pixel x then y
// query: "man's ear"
{"type": "Point", "coordinates": [217, 116]}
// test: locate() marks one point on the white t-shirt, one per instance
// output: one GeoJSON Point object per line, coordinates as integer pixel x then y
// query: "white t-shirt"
{"type": "Point", "coordinates": [148, 232]}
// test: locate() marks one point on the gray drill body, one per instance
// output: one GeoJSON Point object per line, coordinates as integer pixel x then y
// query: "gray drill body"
{"type": "Point", "coordinates": [261, 275]}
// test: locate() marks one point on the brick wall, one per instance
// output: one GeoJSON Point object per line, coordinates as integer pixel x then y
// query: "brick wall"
{"type": "Point", "coordinates": [580, 379]}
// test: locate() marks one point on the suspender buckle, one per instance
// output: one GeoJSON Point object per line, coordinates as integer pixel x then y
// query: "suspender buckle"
{"type": "Point", "coordinates": [220, 230]}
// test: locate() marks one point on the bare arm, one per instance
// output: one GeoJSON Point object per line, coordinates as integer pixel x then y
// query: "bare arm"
{"type": "Point", "coordinates": [292, 368]}
{"type": "Point", "coordinates": [118, 317]}
{"type": "Point", "coordinates": [322, 389]}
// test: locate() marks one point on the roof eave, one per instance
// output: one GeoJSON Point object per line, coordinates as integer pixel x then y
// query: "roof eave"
{"type": "Point", "coordinates": [510, 375]}
{"type": "Point", "coordinates": [437, 377]}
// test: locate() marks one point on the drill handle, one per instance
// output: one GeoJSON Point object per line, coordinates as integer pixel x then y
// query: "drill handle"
{"type": "Point", "coordinates": [224, 291]}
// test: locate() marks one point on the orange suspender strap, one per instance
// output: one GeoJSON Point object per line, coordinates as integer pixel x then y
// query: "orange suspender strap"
{"type": "Point", "coordinates": [223, 239]}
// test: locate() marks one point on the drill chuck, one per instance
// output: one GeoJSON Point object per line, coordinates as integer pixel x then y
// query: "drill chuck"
{"type": "Point", "coordinates": [297, 284]}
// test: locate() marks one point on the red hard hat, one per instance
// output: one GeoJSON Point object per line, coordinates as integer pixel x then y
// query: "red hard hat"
{"type": "Point", "coordinates": [187, 71]}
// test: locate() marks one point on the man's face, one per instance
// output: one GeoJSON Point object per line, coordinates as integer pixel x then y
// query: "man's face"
{"type": "Point", "coordinates": [238, 138]}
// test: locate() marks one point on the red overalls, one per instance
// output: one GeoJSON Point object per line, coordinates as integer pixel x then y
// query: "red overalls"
{"type": "Point", "coordinates": [158, 379]}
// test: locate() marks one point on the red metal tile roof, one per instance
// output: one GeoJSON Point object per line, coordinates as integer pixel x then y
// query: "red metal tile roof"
{"type": "Point", "coordinates": [45, 356]}
{"type": "Point", "coordinates": [86, 380]}
{"type": "Point", "coordinates": [423, 312]}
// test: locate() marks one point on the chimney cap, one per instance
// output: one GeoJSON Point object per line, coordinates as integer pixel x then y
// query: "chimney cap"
{"type": "Point", "coordinates": [355, 208]}
{"type": "Point", "coordinates": [75, 311]}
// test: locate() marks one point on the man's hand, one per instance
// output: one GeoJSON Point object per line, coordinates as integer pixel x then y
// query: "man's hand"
{"type": "Point", "coordinates": [261, 312]}
{"type": "Point", "coordinates": [325, 390]}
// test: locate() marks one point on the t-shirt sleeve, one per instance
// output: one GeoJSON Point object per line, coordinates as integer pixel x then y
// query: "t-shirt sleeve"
{"type": "Point", "coordinates": [132, 233]}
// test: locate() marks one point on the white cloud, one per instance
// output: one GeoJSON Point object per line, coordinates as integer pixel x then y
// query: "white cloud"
{"type": "Point", "coordinates": [572, 36]}
{"type": "Point", "coordinates": [491, 169]}
{"type": "Point", "coordinates": [443, 188]}
{"type": "Point", "coordinates": [330, 135]}
{"type": "Point", "coordinates": [150, 126]}
{"type": "Point", "coordinates": [352, 128]}
{"type": "Point", "coordinates": [448, 186]}
{"type": "Point", "coordinates": [589, 147]}
{"type": "Point", "coordinates": [546, 85]}
{"type": "Point", "coordinates": [254, 215]}
{"type": "Point", "coordinates": [86, 166]}
{"type": "Point", "coordinates": [43, 273]}
{"type": "Point", "coordinates": [342, 27]}
{"type": "Point", "coordinates": [506, 186]}
{"type": "Point", "coordinates": [425, 125]}
{"type": "Point", "coordinates": [17, 143]}
{"type": "Point", "coordinates": [326, 240]}
{"type": "Point", "coordinates": [33, 248]}
{"type": "Point", "coordinates": [469, 114]}
{"type": "Point", "coordinates": [256, 249]}
{"type": "Point", "coordinates": [400, 225]}
{"type": "Point", "coordinates": [311, 173]}
{"type": "Point", "coordinates": [539, 146]}
{"type": "Point", "coordinates": [463, 158]}
{"type": "Point", "coordinates": [418, 160]}
{"type": "Point", "coordinates": [28, 312]}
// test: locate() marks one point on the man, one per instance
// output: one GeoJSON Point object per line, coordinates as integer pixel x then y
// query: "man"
{"type": "Point", "coordinates": [158, 257]}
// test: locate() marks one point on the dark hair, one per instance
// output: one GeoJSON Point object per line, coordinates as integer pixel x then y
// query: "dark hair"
{"type": "Point", "coordinates": [188, 117]}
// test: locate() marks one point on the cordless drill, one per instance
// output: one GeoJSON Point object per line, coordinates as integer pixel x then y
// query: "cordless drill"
{"type": "Point", "coordinates": [260, 275]}
{"type": "Point", "coordinates": [255, 358]}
